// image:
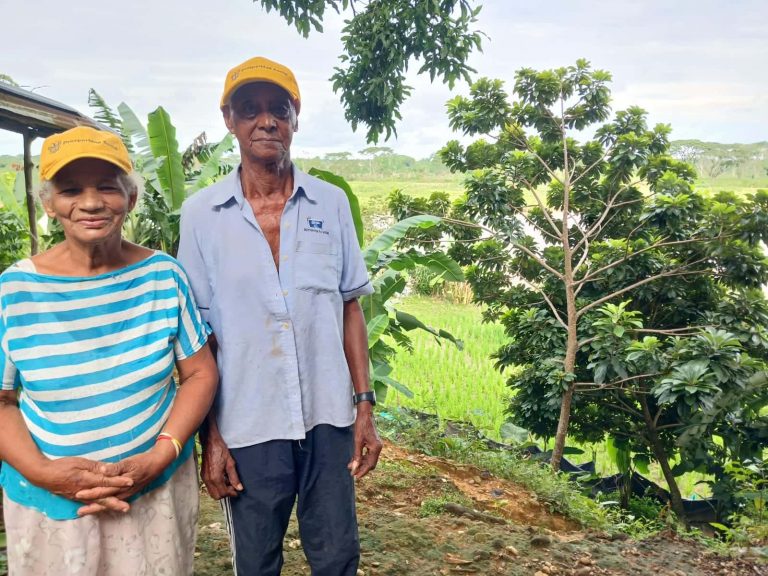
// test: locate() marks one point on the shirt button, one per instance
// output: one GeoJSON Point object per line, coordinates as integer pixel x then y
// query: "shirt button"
{"type": "Point", "coordinates": [286, 325]}
{"type": "Point", "coordinates": [285, 292]}
{"type": "Point", "coordinates": [287, 226]}
{"type": "Point", "coordinates": [284, 257]}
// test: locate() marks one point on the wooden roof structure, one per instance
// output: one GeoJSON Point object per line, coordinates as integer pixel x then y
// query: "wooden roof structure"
{"type": "Point", "coordinates": [29, 113]}
{"type": "Point", "coordinates": [34, 116]}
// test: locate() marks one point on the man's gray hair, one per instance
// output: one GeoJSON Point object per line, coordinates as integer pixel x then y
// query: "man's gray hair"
{"type": "Point", "coordinates": [131, 183]}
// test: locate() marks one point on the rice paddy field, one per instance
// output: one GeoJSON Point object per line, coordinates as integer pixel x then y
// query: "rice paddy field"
{"type": "Point", "coordinates": [453, 383]}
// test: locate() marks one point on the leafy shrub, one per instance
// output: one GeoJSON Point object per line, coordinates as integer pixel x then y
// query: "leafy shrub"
{"type": "Point", "coordinates": [14, 239]}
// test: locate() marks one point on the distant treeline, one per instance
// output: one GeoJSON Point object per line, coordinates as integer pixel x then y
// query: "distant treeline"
{"type": "Point", "coordinates": [380, 164]}
{"type": "Point", "coordinates": [713, 162]}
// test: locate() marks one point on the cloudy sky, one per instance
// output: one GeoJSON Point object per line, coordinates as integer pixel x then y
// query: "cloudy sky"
{"type": "Point", "coordinates": [699, 65]}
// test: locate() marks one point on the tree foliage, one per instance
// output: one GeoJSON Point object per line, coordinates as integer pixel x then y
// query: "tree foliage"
{"type": "Point", "coordinates": [631, 301]}
{"type": "Point", "coordinates": [381, 40]}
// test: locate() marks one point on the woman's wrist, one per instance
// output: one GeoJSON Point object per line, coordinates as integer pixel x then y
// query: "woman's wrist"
{"type": "Point", "coordinates": [165, 452]}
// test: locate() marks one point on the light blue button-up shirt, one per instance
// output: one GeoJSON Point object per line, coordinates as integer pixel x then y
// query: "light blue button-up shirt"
{"type": "Point", "coordinates": [281, 335]}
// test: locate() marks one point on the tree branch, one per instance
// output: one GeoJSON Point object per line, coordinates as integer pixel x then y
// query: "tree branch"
{"type": "Point", "coordinates": [671, 331]}
{"type": "Point", "coordinates": [662, 244]}
{"type": "Point", "coordinates": [542, 206]}
{"type": "Point", "coordinates": [608, 207]}
{"type": "Point", "coordinates": [589, 168]}
{"type": "Point", "coordinates": [616, 384]}
{"type": "Point", "coordinates": [549, 302]}
{"type": "Point", "coordinates": [538, 228]}
{"type": "Point", "coordinates": [639, 283]}
{"type": "Point", "coordinates": [539, 260]}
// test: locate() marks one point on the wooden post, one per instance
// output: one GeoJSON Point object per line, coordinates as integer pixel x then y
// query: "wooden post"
{"type": "Point", "coordinates": [31, 211]}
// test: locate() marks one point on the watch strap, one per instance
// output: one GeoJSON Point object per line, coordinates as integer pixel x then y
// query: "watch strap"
{"type": "Point", "coordinates": [369, 396]}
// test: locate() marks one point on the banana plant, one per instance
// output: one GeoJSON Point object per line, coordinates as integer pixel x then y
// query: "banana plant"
{"type": "Point", "coordinates": [168, 178]}
{"type": "Point", "coordinates": [388, 268]}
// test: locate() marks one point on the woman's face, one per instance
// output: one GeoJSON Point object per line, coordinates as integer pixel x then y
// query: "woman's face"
{"type": "Point", "coordinates": [88, 201]}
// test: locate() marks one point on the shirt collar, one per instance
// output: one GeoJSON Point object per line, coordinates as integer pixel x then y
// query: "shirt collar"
{"type": "Point", "coordinates": [231, 187]}
{"type": "Point", "coordinates": [301, 183]}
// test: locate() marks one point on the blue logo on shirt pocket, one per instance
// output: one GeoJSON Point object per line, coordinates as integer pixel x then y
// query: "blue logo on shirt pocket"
{"type": "Point", "coordinates": [315, 224]}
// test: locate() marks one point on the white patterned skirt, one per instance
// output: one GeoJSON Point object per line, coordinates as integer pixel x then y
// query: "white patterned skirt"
{"type": "Point", "coordinates": [156, 536]}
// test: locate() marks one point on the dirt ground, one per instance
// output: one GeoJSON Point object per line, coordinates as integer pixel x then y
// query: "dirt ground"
{"type": "Point", "coordinates": [421, 515]}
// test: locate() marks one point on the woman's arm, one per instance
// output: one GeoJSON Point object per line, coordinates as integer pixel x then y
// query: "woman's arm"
{"type": "Point", "coordinates": [63, 476]}
{"type": "Point", "coordinates": [198, 379]}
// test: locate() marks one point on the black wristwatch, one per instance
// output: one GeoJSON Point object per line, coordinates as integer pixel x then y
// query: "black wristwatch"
{"type": "Point", "coordinates": [369, 396]}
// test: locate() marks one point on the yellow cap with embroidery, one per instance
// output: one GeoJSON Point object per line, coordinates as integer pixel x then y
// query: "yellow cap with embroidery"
{"type": "Point", "coordinates": [261, 70]}
{"type": "Point", "coordinates": [82, 142]}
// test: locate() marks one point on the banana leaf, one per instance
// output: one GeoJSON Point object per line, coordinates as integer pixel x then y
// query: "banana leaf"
{"type": "Point", "coordinates": [410, 322]}
{"type": "Point", "coordinates": [387, 239]}
{"type": "Point", "coordinates": [165, 148]}
{"type": "Point", "coordinates": [8, 198]}
{"type": "Point", "coordinates": [354, 204]}
{"type": "Point", "coordinates": [134, 131]}
{"type": "Point", "coordinates": [211, 167]}
{"type": "Point", "coordinates": [376, 327]}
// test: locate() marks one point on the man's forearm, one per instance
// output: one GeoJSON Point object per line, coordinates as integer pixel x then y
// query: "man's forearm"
{"type": "Point", "coordinates": [356, 346]}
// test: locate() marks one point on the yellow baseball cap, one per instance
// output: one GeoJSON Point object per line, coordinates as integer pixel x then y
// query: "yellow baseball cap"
{"type": "Point", "coordinates": [261, 70]}
{"type": "Point", "coordinates": [82, 142]}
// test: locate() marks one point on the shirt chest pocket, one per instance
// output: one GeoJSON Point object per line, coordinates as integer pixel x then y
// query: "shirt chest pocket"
{"type": "Point", "coordinates": [316, 267]}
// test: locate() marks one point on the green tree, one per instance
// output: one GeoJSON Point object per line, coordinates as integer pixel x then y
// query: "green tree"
{"type": "Point", "coordinates": [562, 229]}
{"type": "Point", "coordinates": [5, 79]}
{"type": "Point", "coordinates": [380, 40]}
{"type": "Point", "coordinates": [374, 152]}
{"type": "Point", "coordinates": [338, 156]}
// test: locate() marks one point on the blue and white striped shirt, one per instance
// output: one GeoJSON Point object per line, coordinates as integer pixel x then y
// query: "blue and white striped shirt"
{"type": "Point", "coordinates": [94, 358]}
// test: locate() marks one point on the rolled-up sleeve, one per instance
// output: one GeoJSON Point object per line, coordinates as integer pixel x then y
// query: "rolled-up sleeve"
{"type": "Point", "coordinates": [192, 330]}
{"type": "Point", "coordinates": [10, 376]}
{"type": "Point", "coordinates": [354, 275]}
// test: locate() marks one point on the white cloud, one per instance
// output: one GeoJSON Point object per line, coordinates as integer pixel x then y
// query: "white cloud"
{"type": "Point", "coordinates": [697, 64]}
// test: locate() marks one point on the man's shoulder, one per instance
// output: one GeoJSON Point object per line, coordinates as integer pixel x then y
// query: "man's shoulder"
{"type": "Point", "coordinates": [203, 199]}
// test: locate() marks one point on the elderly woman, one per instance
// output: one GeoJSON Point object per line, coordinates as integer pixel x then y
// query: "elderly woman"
{"type": "Point", "coordinates": [95, 437]}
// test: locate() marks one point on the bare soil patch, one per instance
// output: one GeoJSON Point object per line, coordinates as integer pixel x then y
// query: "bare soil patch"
{"type": "Point", "coordinates": [494, 527]}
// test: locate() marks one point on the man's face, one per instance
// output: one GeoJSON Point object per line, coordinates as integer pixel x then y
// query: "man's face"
{"type": "Point", "coordinates": [263, 119]}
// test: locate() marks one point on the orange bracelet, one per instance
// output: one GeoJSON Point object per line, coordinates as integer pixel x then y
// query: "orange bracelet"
{"type": "Point", "coordinates": [174, 441]}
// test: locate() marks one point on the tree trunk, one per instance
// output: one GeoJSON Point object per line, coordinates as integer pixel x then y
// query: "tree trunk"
{"type": "Point", "coordinates": [565, 403]}
{"type": "Point", "coordinates": [572, 342]}
{"type": "Point", "coordinates": [663, 459]}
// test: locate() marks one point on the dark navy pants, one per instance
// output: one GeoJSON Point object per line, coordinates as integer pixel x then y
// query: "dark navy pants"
{"type": "Point", "coordinates": [274, 474]}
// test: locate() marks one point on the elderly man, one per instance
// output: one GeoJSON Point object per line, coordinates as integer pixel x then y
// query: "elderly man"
{"type": "Point", "coordinates": [274, 264]}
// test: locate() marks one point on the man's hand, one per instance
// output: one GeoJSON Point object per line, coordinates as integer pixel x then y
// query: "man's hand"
{"type": "Point", "coordinates": [367, 442]}
{"type": "Point", "coordinates": [218, 468]}
{"type": "Point", "coordinates": [70, 476]}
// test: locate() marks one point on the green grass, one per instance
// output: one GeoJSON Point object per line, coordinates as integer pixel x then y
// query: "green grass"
{"type": "Point", "coordinates": [452, 383]}
{"type": "Point", "coordinates": [368, 190]}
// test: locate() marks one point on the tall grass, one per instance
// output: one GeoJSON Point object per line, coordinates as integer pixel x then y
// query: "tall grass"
{"type": "Point", "coordinates": [452, 383]}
